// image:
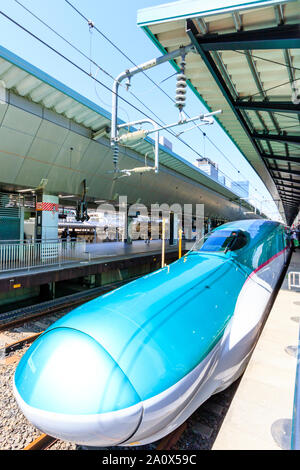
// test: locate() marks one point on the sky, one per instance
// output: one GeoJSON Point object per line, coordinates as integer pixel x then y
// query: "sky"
{"type": "Point", "coordinates": [117, 21]}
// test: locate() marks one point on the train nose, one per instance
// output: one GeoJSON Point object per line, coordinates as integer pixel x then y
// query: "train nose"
{"type": "Point", "coordinates": [69, 387]}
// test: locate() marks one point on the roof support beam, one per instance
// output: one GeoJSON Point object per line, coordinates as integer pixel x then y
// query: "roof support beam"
{"type": "Point", "coordinates": [193, 34]}
{"type": "Point", "coordinates": [275, 106]}
{"type": "Point", "coordinates": [287, 179]}
{"type": "Point", "coordinates": [287, 56]}
{"type": "Point", "coordinates": [286, 201]}
{"type": "Point", "coordinates": [288, 188]}
{"type": "Point", "coordinates": [282, 158]}
{"type": "Point", "coordinates": [289, 197]}
{"type": "Point", "coordinates": [285, 170]}
{"type": "Point", "coordinates": [289, 139]}
{"type": "Point", "coordinates": [291, 205]}
{"type": "Point", "coordinates": [292, 208]}
{"type": "Point", "coordinates": [289, 191]}
{"type": "Point", "coordinates": [238, 22]}
{"type": "Point", "coordinates": [295, 204]}
{"type": "Point", "coordinates": [281, 37]}
{"type": "Point", "coordinates": [259, 85]}
{"type": "Point", "coordinates": [291, 201]}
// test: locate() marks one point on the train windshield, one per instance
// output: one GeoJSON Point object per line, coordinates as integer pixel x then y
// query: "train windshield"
{"type": "Point", "coordinates": [221, 240]}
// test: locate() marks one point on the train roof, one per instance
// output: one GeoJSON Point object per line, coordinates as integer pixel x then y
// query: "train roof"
{"type": "Point", "coordinates": [252, 226]}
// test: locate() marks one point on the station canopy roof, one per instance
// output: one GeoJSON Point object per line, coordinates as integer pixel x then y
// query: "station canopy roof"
{"type": "Point", "coordinates": [246, 61]}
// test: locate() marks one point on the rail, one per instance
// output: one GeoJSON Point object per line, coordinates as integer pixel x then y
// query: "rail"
{"type": "Point", "coordinates": [27, 255]}
{"type": "Point", "coordinates": [293, 279]}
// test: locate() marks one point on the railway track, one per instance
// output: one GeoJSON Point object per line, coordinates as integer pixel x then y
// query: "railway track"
{"type": "Point", "coordinates": [45, 442]}
{"type": "Point", "coordinates": [16, 317]}
{"type": "Point", "coordinates": [197, 433]}
{"type": "Point", "coordinates": [24, 325]}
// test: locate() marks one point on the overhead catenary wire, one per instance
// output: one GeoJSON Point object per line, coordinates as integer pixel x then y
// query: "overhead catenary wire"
{"type": "Point", "coordinates": [150, 79]}
{"type": "Point", "coordinates": [93, 26]}
{"type": "Point", "coordinates": [154, 83]}
{"type": "Point", "coordinates": [88, 58]}
{"type": "Point", "coordinates": [84, 71]}
{"type": "Point", "coordinates": [63, 38]}
{"type": "Point", "coordinates": [87, 73]}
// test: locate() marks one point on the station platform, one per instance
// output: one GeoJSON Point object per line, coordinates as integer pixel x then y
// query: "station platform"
{"type": "Point", "coordinates": [260, 415]}
{"type": "Point", "coordinates": [96, 258]}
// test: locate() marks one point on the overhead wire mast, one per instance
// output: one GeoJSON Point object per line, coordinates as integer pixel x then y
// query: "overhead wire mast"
{"type": "Point", "coordinates": [130, 138]}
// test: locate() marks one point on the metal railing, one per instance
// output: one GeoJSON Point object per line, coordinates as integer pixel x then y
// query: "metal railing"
{"type": "Point", "coordinates": [293, 279]}
{"type": "Point", "coordinates": [27, 255]}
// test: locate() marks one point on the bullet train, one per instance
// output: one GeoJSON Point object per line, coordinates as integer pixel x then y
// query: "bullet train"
{"type": "Point", "coordinates": [129, 367]}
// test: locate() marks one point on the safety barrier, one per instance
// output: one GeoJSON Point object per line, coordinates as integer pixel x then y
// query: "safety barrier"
{"type": "Point", "coordinates": [28, 255]}
{"type": "Point", "coordinates": [293, 279]}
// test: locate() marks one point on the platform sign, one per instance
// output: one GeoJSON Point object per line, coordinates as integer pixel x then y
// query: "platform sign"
{"type": "Point", "coordinates": [47, 206]}
{"type": "Point", "coordinates": [47, 209]}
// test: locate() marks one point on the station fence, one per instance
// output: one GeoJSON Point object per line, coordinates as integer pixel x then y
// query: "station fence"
{"type": "Point", "coordinates": [27, 255]}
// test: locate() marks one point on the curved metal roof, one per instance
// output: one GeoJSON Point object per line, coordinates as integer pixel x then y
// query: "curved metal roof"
{"type": "Point", "coordinates": [247, 63]}
{"type": "Point", "coordinates": [47, 130]}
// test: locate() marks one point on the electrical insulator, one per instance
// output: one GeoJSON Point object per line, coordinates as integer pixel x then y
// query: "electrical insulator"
{"type": "Point", "coordinates": [116, 156]}
{"type": "Point", "coordinates": [132, 137]}
{"type": "Point", "coordinates": [181, 86]}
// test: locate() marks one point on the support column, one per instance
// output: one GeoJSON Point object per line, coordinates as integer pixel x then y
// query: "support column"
{"type": "Point", "coordinates": [46, 217]}
{"type": "Point", "coordinates": [173, 229]}
{"type": "Point", "coordinates": [21, 224]}
{"type": "Point", "coordinates": [128, 238]}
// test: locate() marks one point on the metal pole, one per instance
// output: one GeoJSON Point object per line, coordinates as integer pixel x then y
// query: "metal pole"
{"type": "Point", "coordinates": [179, 242]}
{"type": "Point", "coordinates": [195, 118]}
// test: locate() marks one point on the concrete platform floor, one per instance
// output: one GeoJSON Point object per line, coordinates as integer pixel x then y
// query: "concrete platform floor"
{"type": "Point", "coordinates": [260, 415]}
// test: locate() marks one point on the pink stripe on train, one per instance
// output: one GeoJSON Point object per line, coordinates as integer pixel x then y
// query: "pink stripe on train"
{"type": "Point", "coordinates": [267, 262]}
